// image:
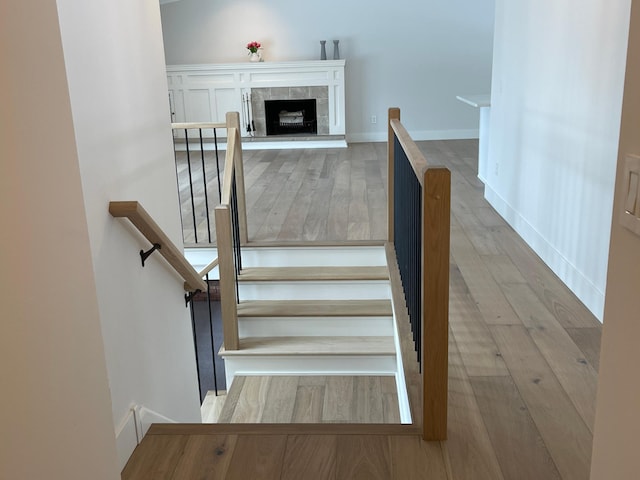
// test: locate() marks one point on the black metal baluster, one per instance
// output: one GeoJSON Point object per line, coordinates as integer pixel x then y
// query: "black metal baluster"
{"type": "Point", "coordinates": [175, 158]}
{"type": "Point", "coordinates": [408, 238]}
{"type": "Point", "coordinates": [204, 183]}
{"type": "Point", "coordinates": [417, 252]}
{"type": "Point", "coordinates": [193, 206]}
{"type": "Point", "coordinates": [235, 230]}
{"type": "Point", "coordinates": [213, 343]}
{"type": "Point", "coordinates": [195, 347]}
{"type": "Point", "coordinates": [215, 142]}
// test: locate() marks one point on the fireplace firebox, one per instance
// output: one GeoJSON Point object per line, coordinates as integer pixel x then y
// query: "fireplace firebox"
{"type": "Point", "coordinates": [290, 117]}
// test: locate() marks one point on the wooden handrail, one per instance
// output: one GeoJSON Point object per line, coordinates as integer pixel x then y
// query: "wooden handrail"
{"type": "Point", "coordinates": [194, 125]}
{"type": "Point", "coordinates": [206, 270]}
{"type": "Point", "coordinates": [227, 176]}
{"type": "Point", "coordinates": [152, 232]}
{"type": "Point", "coordinates": [415, 156]}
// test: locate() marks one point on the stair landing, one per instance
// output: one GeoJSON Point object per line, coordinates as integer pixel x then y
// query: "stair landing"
{"type": "Point", "coordinates": [311, 399]}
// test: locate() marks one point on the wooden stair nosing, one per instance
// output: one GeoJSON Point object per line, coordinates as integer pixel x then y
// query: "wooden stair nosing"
{"type": "Point", "coordinates": [311, 274]}
{"type": "Point", "coordinates": [313, 346]}
{"type": "Point", "coordinates": [319, 308]}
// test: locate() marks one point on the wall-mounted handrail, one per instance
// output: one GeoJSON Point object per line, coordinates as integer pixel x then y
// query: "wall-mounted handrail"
{"type": "Point", "coordinates": [419, 228]}
{"type": "Point", "coordinates": [139, 217]}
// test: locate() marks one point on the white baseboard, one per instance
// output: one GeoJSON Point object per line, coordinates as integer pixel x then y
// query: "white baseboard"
{"type": "Point", "coordinates": [416, 135]}
{"type": "Point", "coordinates": [294, 145]}
{"type": "Point", "coordinates": [133, 428]}
{"type": "Point", "coordinates": [576, 281]}
{"type": "Point", "coordinates": [267, 145]}
{"type": "Point", "coordinates": [126, 438]}
{"type": "Point", "coordinates": [145, 417]}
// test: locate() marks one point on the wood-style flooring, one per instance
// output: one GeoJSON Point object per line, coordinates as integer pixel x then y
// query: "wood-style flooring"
{"type": "Point", "coordinates": [523, 354]}
{"type": "Point", "coordinates": [309, 195]}
{"type": "Point", "coordinates": [311, 399]}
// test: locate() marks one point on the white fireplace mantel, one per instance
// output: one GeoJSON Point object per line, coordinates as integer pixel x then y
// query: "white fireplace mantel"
{"type": "Point", "coordinates": [205, 93]}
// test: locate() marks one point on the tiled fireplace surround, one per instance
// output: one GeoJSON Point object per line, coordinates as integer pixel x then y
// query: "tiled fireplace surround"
{"type": "Point", "coordinates": [320, 94]}
{"type": "Point", "coordinates": [206, 92]}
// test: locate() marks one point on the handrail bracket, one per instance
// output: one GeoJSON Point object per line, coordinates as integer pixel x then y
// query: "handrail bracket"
{"type": "Point", "coordinates": [189, 296]}
{"type": "Point", "coordinates": [144, 255]}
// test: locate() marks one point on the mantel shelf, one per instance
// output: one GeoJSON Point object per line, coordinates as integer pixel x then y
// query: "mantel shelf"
{"type": "Point", "coordinates": [294, 64]}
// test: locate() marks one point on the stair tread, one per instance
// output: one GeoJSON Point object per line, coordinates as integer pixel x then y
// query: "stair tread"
{"type": "Point", "coordinates": [267, 274]}
{"type": "Point", "coordinates": [320, 308]}
{"type": "Point", "coordinates": [360, 345]}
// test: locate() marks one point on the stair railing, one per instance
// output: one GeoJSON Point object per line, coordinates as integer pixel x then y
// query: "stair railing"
{"type": "Point", "coordinates": [204, 274]}
{"type": "Point", "coordinates": [231, 232]}
{"type": "Point", "coordinates": [194, 192]}
{"type": "Point", "coordinates": [228, 231]}
{"type": "Point", "coordinates": [419, 206]}
{"type": "Point", "coordinates": [160, 242]}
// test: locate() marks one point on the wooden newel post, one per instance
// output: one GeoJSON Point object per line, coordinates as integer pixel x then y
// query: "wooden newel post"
{"type": "Point", "coordinates": [228, 304]}
{"type": "Point", "coordinates": [435, 300]}
{"type": "Point", "coordinates": [233, 121]}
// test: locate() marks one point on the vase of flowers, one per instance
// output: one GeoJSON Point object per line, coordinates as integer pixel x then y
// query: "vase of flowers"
{"type": "Point", "coordinates": [255, 51]}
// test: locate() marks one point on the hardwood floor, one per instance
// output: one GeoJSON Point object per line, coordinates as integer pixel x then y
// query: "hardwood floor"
{"type": "Point", "coordinates": [311, 399]}
{"type": "Point", "coordinates": [311, 195]}
{"type": "Point", "coordinates": [523, 349]}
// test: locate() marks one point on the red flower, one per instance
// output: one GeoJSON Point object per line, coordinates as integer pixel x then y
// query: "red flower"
{"type": "Point", "coordinates": [253, 46]}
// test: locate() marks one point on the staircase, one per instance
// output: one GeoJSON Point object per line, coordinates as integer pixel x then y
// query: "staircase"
{"type": "Point", "coordinates": [315, 310]}
{"type": "Point", "coordinates": [331, 310]}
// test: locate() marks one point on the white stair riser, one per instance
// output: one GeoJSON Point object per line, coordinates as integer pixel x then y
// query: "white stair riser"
{"type": "Point", "coordinates": [295, 256]}
{"type": "Point", "coordinates": [310, 365]}
{"type": "Point", "coordinates": [345, 290]}
{"type": "Point", "coordinates": [200, 257]}
{"type": "Point", "coordinates": [314, 326]}
{"type": "Point", "coordinates": [310, 257]}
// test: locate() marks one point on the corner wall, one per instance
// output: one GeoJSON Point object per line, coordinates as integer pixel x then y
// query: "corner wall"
{"type": "Point", "coordinates": [556, 98]}
{"type": "Point", "coordinates": [416, 55]}
{"type": "Point", "coordinates": [615, 443]}
{"type": "Point", "coordinates": [55, 409]}
{"type": "Point", "coordinates": [117, 87]}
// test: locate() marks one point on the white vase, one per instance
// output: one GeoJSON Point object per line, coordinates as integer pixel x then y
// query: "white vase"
{"type": "Point", "coordinates": [255, 57]}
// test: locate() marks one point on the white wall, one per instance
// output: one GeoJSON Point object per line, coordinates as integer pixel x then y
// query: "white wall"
{"type": "Point", "coordinates": [615, 443]}
{"type": "Point", "coordinates": [55, 410]}
{"type": "Point", "coordinates": [416, 55]}
{"type": "Point", "coordinates": [117, 84]}
{"type": "Point", "coordinates": [557, 83]}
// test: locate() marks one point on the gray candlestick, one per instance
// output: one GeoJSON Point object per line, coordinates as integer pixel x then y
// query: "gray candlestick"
{"type": "Point", "coordinates": [323, 50]}
{"type": "Point", "coordinates": [336, 50]}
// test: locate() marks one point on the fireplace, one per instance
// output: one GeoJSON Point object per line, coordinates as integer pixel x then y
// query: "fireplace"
{"type": "Point", "coordinates": [290, 117]}
{"type": "Point", "coordinates": [205, 92]}
{"type": "Point", "coordinates": [315, 104]}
